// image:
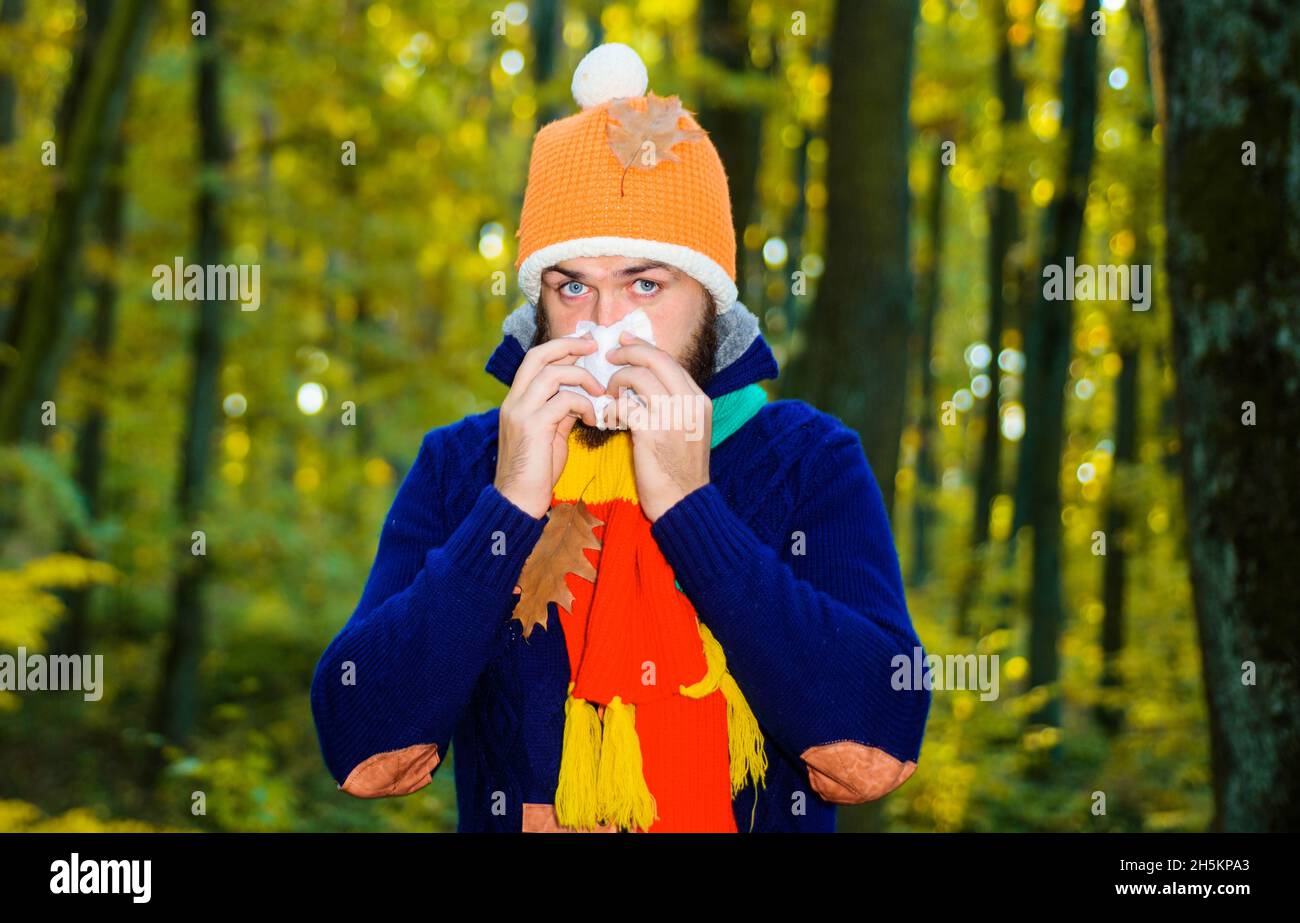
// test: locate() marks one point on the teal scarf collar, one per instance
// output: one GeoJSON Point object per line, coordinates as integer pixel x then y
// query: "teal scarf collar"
{"type": "Point", "coordinates": [734, 409]}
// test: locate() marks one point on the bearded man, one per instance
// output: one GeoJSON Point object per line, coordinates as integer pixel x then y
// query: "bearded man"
{"type": "Point", "coordinates": [621, 618]}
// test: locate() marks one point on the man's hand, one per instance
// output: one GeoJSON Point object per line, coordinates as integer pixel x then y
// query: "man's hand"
{"type": "Point", "coordinates": [536, 417]}
{"type": "Point", "coordinates": [670, 446]}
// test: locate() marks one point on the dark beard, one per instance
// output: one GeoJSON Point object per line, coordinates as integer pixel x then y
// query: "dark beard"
{"type": "Point", "coordinates": [701, 353]}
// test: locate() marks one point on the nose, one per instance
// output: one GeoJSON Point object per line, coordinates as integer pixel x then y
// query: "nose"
{"type": "Point", "coordinates": [611, 307]}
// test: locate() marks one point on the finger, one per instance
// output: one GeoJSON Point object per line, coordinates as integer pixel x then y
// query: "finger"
{"type": "Point", "coordinates": [612, 418]}
{"type": "Point", "coordinates": [564, 350]}
{"type": "Point", "coordinates": [565, 425]}
{"type": "Point", "coordinates": [631, 414]}
{"type": "Point", "coordinates": [549, 379]}
{"type": "Point", "coordinates": [641, 353]}
{"type": "Point", "coordinates": [548, 382]}
{"type": "Point", "coordinates": [641, 380]}
{"type": "Point", "coordinates": [567, 403]}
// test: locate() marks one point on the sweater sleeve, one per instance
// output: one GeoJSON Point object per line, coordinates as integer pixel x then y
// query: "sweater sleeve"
{"type": "Point", "coordinates": [392, 685]}
{"type": "Point", "coordinates": [813, 643]}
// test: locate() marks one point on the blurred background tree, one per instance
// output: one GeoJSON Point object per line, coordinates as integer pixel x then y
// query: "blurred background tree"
{"type": "Point", "coordinates": [901, 172]}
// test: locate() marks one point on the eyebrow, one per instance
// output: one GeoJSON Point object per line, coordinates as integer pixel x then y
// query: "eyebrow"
{"type": "Point", "coordinates": [623, 273]}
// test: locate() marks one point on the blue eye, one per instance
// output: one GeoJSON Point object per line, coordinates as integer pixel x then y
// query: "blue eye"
{"type": "Point", "coordinates": [572, 294]}
{"type": "Point", "coordinates": [648, 282]}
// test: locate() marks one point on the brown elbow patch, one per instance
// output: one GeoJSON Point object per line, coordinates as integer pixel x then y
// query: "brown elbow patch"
{"type": "Point", "coordinates": [397, 772]}
{"type": "Point", "coordinates": [847, 772]}
{"type": "Point", "coordinates": [540, 818]}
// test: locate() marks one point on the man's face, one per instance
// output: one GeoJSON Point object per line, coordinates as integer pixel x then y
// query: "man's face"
{"type": "Point", "coordinates": [604, 289]}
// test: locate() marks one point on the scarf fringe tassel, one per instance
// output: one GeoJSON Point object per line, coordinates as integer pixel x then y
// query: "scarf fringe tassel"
{"type": "Point", "coordinates": [601, 779]}
{"type": "Point", "coordinates": [575, 796]}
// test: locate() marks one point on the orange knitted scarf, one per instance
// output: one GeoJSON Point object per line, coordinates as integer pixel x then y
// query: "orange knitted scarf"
{"type": "Point", "coordinates": [673, 739]}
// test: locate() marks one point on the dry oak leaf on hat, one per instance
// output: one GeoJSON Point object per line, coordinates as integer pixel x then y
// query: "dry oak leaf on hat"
{"type": "Point", "coordinates": [630, 129]}
{"type": "Point", "coordinates": [559, 551]}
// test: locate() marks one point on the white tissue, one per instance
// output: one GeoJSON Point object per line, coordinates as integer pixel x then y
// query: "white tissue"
{"type": "Point", "coordinates": [601, 368]}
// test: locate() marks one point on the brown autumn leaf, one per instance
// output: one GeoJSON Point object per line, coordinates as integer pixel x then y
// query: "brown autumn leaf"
{"type": "Point", "coordinates": [559, 551]}
{"type": "Point", "coordinates": [630, 129]}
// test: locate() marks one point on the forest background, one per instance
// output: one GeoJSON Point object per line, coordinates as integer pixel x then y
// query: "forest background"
{"type": "Point", "coordinates": [1096, 490]}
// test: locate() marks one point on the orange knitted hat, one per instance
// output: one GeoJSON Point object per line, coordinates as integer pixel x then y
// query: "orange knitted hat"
{"type": "Point", "coordinates": [632, 174]}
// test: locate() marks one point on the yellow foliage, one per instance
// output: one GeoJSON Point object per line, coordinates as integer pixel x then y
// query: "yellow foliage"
{"type": "Point", "coordinates": [28, 609]}
{"type": "Point", "coordinates": [21, 817]}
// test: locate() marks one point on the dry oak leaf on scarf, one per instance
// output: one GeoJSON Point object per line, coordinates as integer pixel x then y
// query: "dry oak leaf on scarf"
{"type": "Point", "coordinates": [559, 551]}
{"type": "Point", "coordinates": [630, 131]}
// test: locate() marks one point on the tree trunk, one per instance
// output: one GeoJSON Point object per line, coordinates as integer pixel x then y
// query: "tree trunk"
{"type": "Point", "coordinates": [1115, 567]}
{"type": "Point", "coordinates": [11, 323]}
{"type": "Point", "coordinates": [923, 507]}
{"type": "Point", "coordinates": [1046, 375]}
{"type": "Point", "coordinates": [735, 130]}
{"type": "Point", "coordinates": [178, 698]}
{"type": "Point", "coordinates": [90, 441]}
{"type": "Point", "coordinates": [794, 234]}
{"type": "Point", "coordinates": [1229, 74]}
{"type": "Point", "coordinates": [548, 29]}
{"type": "Point", "coordinates": [44, 309]}
{"type": "Point", "coordinates": [97, 15]}
{"type": "Point", "coordinates": [11, 13]}
{"type": "Point", "coordinates": [1004, 229]}
{"type": "Point", "coordinates": [854, 361]}
{"type": "Point", "coordinates": [1118, 503]}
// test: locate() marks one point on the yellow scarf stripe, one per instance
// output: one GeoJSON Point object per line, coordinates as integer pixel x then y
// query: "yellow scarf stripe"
{"type": "Point", "coordinates": [598, 475]}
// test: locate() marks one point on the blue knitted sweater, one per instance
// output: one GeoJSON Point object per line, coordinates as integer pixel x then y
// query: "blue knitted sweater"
{"type": "Point", "coordinates": [786, 555]}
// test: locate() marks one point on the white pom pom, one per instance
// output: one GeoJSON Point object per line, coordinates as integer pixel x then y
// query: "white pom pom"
{"type": "Point", "coordinates": [609, 71]}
